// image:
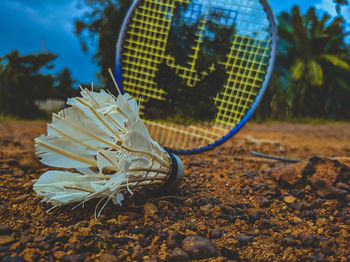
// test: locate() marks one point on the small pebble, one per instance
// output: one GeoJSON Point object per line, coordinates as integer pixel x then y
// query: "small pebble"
{"type": "Point", "coordinates": [6, 239]}
{"type": "Point", "coordinates": [106, 257]}
{"type": "Point", "coordinates": [21, 198]}
{"type": "Point", "coordinates": [150, 209]}
{"type": "Point", "coordinates": [26, 239]}
{"type": "Point", "coordinates": [230, 254]}
{"type": "Point", "coordinates": [198, 247]}
{"type": "Point", "coordinates": [121, 240]}
{"type": "Point", "coordinates": [137, 252]}
{"type": "Point", "coordinates": [188, 202]}
{"type": "Point", "coordinates": [307, 240]}
{"type": "Point", "coordinates": [215, 233]}
{"type": "Point", "coordinates": [178, 255]}
{"type": "Point", "coordinates": [265, 203]}
{"type": "Point", "coordinates": [72, 258]}
{"type": "Point", "coordinates": [59, 254]}
{"type": "Point", "coordinates": [244, 240]}
{"type": "Point", "coordinates": [149, 259]}
{"type": "Point", "coordinates": [264, 224]}
{"type": "Point", "coordinates": [325, 190]}
{"type": "Point", "coordinates": [175, 238]}
{"type": "Point", "coordinates": [289, 199]}
{"type": "Point", "coordinates": [5, 229]}
{"type": "Point", "coordinates": [13, 259]}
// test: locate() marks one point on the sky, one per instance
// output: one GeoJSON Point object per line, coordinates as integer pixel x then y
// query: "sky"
{"type": "Point", "coordinates": [24, 24]}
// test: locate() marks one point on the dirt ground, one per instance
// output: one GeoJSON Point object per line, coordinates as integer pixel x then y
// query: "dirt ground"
{"type": "Point", "coordinates": [232, 205]}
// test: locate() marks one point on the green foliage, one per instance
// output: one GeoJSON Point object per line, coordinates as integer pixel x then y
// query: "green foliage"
{"type": "Point", "coordinates": [297, 70]}
{"type": "Point", "coordinates": [103, 21]}
{"type": "Point", "coordinates": [336, 61]}
{"type": "Point", "coordinates": [8, 118]}
{"type": "Point", "coordinates": [64, 88]}
{"type": "Point", "coordinates": [315, 73]}
{"type": "Point", "coordinates": [21, 84]}
{"type": "Point", "coordinates": [315, 60]}
{"type": "Point", "coordinates": [276, 103]}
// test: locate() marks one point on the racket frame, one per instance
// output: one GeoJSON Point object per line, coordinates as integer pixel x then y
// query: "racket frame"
{"type": "Point", "coordinates": [273, 34]}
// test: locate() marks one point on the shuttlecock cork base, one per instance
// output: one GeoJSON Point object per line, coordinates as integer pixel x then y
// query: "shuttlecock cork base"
{"type": "Point", "coordinates": [104, 140]}
{"type": "Point", "coordinates": [176, 175]}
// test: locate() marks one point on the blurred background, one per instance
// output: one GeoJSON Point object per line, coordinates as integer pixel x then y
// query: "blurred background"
{"type": "Point", "coordinates": [48, 48]}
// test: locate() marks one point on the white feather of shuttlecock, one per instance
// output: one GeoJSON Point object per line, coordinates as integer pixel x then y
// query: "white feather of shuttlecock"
{"type": "Point", "coordinates": [103, 138]}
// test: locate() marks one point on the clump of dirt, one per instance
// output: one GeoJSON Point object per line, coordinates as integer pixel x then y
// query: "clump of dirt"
{"type": "Point", "coordinates": [231, 205]}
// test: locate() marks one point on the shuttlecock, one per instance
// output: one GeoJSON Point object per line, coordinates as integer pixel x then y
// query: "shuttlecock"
{"type": "Point", "coordinates": [103, 138]}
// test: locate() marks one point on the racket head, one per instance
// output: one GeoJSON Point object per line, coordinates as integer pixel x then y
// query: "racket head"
{"type": "Point", "coordinates": [143, 50]}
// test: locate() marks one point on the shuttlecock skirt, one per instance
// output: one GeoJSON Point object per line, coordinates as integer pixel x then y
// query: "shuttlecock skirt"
{"type": "Point", "coordinates": [104, 141]}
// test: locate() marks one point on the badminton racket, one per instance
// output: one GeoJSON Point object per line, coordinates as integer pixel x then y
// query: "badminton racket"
{"type": "Point", "coordinates": [199, 67]}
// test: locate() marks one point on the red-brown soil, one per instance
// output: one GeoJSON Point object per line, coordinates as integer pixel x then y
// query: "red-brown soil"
{"type": "Point", "coordinates": [236, 201]}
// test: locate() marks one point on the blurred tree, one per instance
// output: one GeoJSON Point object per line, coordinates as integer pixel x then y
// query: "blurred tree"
{"type": "Point", "coordinates": [103, 22]}
{"type": "Point", "coordinates": [180, 39]}
{"type": "Point", "coordinates": [215, 41]}
{"type": "Point", "coordinates": [276, 103]}
{"type": "Point", "coordinates": [65, 88]}
{"type": "Point", "coordinates": [314, 53]}
{"type": "Point", "coordinates": [339, 3]}
{"type": "Point", "coordinates": [21, 83]}
{"type": "Point", "coordinates": [182, 103]}
{"type": "Point", "coordinates": [194, 101]}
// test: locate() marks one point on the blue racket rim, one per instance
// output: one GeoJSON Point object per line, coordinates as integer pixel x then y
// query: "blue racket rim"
{"type": "Point", "coordinates": [273, 33]}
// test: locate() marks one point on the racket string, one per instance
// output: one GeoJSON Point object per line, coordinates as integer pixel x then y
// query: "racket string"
{"type": "Point", "coordinates": [246, 63]}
